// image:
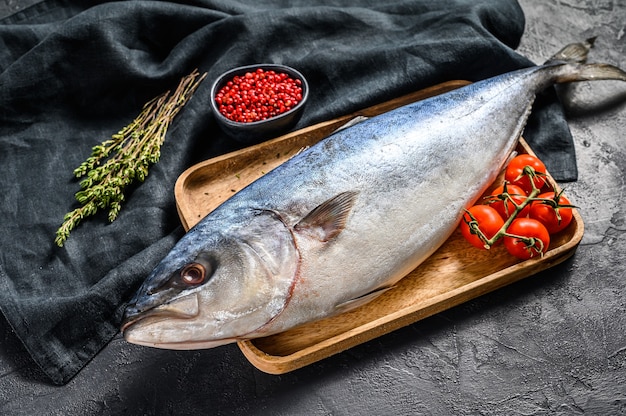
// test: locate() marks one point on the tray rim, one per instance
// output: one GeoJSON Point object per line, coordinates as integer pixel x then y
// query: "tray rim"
{"type": "Point", "coordinates": [280, 364]}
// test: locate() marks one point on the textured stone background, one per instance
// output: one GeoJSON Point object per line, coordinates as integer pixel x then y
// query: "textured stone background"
{"type": "Point", "coordinates": [554, 343]}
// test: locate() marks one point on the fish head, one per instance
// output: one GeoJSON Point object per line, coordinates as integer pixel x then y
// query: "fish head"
{"type": "Point", "coordinates": [220, 283]}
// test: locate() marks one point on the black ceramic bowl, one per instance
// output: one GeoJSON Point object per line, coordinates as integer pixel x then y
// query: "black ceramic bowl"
{"type": "Point", "coordinates": [257, 131]}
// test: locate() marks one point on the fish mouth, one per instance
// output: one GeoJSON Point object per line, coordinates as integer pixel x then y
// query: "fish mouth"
{"type": "Point", "coordinates": [139, 326]}
{"type": "Point", "coordinates": [186, 307]}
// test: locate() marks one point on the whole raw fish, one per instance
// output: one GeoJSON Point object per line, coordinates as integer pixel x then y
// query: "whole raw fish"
{"type": "Point", "coordinates": [343, 221]}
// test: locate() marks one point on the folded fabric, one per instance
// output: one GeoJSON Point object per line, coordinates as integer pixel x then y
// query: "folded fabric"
{"type": "Point", "coordinates": [74, 72]}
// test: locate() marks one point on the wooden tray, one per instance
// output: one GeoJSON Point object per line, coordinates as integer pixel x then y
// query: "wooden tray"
{"type": "Point", "coordinates": [454, 274]}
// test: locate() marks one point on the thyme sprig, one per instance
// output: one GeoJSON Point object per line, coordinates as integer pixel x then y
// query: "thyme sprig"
{"type": "Point", "coordinates": [126, 157]}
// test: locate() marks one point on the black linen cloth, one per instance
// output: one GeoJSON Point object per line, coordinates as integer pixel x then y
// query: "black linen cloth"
{"type": "Point", "coordinates": [74, 72]}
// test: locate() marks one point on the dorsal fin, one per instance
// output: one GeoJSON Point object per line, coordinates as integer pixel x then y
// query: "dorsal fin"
{"type": "Point", "coordinates": [329, 218]}
{"type": "Point", "coordinates": [350, 123]}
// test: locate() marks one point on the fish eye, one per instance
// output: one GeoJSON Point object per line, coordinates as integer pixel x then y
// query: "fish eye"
{"type": "Point", "coordinates": [193, 274]}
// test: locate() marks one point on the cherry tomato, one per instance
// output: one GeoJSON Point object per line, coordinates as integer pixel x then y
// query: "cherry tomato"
{"type": "Point", "coordinates": [547, 214]}
{"type": "Point", "coordinates": [514, 172]}
{"type": "Point", "coordinates": [506, 209]}
{"type": "Point", "coordinates": [489, 223]}
{"type": "Point", "coordinates": [527, 228]}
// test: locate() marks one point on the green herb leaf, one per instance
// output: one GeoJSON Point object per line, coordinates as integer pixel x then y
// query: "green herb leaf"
{"type": "Point", "coordinates": [126, 157]}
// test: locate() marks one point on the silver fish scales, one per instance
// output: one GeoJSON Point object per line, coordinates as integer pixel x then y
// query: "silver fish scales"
{"type": "Point", "coordinates": [343, 221]}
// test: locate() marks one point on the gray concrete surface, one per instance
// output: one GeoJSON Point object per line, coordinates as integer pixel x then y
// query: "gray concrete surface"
{"type": "Point", "coordinates": [554, 343]}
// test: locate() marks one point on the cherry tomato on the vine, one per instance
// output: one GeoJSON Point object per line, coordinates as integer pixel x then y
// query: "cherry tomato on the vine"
{"type": "Point", "coordinates": [531, 229]}
{"type": "Point", "coordinates": [547, 214]}
{"type": "Point", "coordinates": [517, 194]}
{"type": "Point", "coordinates": [514, 172]}
{"type": "Point", "coordinates": [489, 223]}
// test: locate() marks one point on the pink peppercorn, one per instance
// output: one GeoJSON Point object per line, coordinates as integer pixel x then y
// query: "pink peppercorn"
{"type": "Point", "coordinates": [258, 95]}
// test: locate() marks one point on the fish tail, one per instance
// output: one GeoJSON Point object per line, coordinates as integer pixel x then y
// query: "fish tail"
{"type": "Point", "coordinates": [573, 53]}
{"type": "Point", "coordinates": [593, 72]}
{"type": "Point", "coordinates": [573, 67]}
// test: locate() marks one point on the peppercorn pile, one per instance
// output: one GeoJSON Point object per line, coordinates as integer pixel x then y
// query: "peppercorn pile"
{"type": "Point", "coordinates": [258, 95]}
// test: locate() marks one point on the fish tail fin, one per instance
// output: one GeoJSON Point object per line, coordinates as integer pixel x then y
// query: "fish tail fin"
{"type": "Point", "coordinates": [572, 60]}
{"type": "Point", "coordinates": [587, 72]}
{"type": "Point", "coordinates": [573, 53]}
{"type": "Point", "coordinates": [593, 72]}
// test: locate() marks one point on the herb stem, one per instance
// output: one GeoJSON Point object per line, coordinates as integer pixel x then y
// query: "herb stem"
{"type": "Point", "coordinates": [126, 157]}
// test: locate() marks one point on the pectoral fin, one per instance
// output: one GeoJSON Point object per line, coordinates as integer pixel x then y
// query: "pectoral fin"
{"type": "Point", "coordinates": [361, 300]}
{"type": "Point", "coordinates": [327, 220]}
